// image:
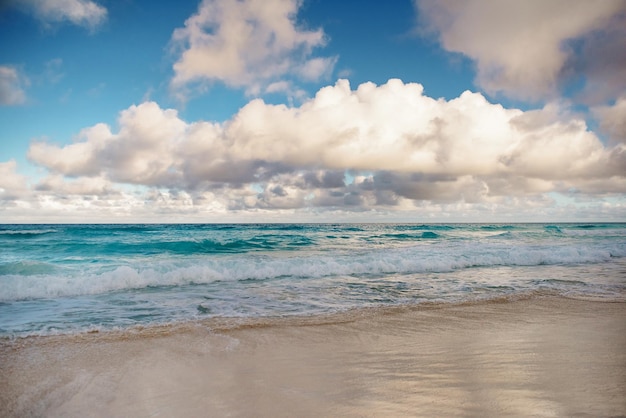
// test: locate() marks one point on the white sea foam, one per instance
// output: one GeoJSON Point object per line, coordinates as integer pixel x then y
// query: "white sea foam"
{"type": "Point", "coordinates": [412, 260]}
{"type": "Point", "coordinates": [77, 278]}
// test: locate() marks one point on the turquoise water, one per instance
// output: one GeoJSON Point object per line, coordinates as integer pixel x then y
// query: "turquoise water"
{"type": "Point", "coordinates": [76, 278]}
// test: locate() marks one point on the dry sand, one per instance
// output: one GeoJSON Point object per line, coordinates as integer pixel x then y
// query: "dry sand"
{"type": "Point", "coordinates": [534, 357]}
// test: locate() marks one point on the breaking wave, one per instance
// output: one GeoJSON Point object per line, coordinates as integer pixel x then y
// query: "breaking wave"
{"type": "Point", "coordinates": [20, 281]}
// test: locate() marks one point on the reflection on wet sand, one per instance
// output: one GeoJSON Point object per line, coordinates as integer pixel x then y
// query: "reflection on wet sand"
{"type": "Point", "coordinates": [535, 357]}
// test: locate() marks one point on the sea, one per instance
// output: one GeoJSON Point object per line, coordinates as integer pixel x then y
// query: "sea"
{"type": "Point", "coordinates": [68, 279]}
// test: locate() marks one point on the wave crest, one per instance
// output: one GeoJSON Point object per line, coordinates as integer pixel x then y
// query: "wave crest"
{"type": "Point", "coordinates": [399, 261]}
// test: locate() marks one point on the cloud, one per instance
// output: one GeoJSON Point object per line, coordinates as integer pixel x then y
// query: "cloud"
{"type": "Point", "coordinates": [316, 68]}
{"type": "Point", "coordinates": [12, 84]}
{"type": "Point", "coordinates": [386, 146]}
{"type": "Point", "coordinates": [83, 186]}
{"type": "Point", "coordinates": [141, 152]}
{"type": "Point", "coordinates": [395, 127]}
{"type": "Point", "coordinates": [528, 50]}
{"type": "Point", "coordinates": [247, 44]}
{"type": "Point", "coordinates": [601, 61]}
{"type": "Point", "coordinates": [12, 184]}
{"type": "Point", "coordinates": [85, 13]}
{"type": "Point", "coordinates": [613, 119]}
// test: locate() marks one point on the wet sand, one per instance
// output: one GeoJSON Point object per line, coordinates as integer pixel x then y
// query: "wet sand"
{"type": "Point", "coordinates": [534, 357]}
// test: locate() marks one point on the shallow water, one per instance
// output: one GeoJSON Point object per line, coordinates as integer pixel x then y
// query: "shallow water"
{"type": "Point", "coordinates": [75, 278]}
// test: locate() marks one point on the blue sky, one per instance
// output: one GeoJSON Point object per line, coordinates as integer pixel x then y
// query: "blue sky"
{"type": "Point", "coordinates": [314, 110]}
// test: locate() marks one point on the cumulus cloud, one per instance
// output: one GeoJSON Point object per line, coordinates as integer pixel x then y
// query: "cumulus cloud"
{"type": "Point", "coordinates": [247, 44]}
{"type": "Point", "coordinates": [86, 13]}
{"type": "Point", "coordinates": [375, 146]}
{"type": "Point", "coordinates": [529, 49]}
{"type": "Point", "coordinates": [12, 84]}
{"type": "Point", "coordinates": [141, 152]}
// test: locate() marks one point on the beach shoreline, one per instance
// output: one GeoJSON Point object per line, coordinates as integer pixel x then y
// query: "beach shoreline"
{"type": "Point", "coordinates": [539, 356]}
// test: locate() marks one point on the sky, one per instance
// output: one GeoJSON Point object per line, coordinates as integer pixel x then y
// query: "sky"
{"type": "Point", "coordinates": [312, 111]}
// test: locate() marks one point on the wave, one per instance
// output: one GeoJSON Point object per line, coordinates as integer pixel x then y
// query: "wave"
{"type": "Point", "coordinates": [497, 227]}
{"type": "Point", "coordinates": [190, 247]}
{"type": "Point", "coordinates": [27, 268]}
{"type": "Point", "coordinates": [407, 237]}
{"type": "Point", "coordinates": [511, 233]}
{"type": "Point", "coordinates": [18, 233]}
{"type": "Point", "coordinates": [184, 247]}
{"type": "Point", "coordinates": [507, 235]}
{"type": "Point", "coordinates": [597, 226]}
{"type": "Point", "coordinates": [432, 227]}
{"type": "Point", "coordinates": [398, 261]}
{"type": "Point", "coordinates": [286, 227]}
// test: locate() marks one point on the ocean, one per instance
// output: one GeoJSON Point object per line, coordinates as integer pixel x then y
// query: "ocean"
{"type": "Point", "coordinates": [68, 279]}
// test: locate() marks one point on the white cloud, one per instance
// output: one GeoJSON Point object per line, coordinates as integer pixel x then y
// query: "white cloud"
{"type": "Point", "coordinates": [279, 86]}
{"type": "Point", "coordinates": [141, 152]}
{"type": "Point", "coordinates": [12, 85]}
{"type": "Point", "coordinates": [12, 184]}
{"type": "Point", "coordinates": [399, 146]}
{"type": "Point", "coordinates": [395, 127]}
{"type": "Point", "coordinates": [247, 44]}
{"type": "Point", "coordinates": [522, 48]}
{"type": "Point", "coordinates": [287, 88]}
{"type": "Point", "coordinates": [316, 68]}
{"type": "Point", "coordinates": [86, 13]}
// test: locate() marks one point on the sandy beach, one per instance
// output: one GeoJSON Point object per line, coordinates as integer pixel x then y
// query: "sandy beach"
{"type": "Point", "coordinates": [532, 357]}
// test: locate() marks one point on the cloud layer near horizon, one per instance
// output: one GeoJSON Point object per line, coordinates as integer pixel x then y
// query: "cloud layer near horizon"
{"type": "Point", "coordinates": [376, 146]}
